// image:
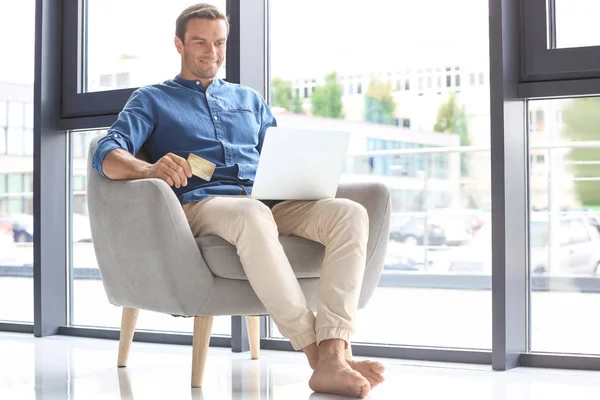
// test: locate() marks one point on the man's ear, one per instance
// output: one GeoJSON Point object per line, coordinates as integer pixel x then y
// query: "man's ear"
{"type": "Point", "coordinates": [178, 44]}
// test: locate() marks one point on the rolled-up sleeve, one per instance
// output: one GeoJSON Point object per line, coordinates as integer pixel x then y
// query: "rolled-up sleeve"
{"type": "Point", "coordinates": [133, 126]}
{"type": "Point", "coordinates": [267, 120]}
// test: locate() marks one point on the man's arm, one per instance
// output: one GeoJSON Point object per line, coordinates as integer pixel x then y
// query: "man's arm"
{"type": "Point", "coordinates": [119, 164]}
{"type": "Point", "coordinates": [114, 157]}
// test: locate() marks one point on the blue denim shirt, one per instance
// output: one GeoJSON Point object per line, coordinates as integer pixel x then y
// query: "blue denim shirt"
{"type": "Point", "coordinates": [224, 123]}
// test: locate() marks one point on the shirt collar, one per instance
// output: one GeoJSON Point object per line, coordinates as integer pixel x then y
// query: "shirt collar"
{"type": "Point", "coordinates": [195, 84]}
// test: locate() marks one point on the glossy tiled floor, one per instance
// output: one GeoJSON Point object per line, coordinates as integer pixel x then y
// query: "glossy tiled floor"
{"type": "Point", "coordinates": [74, 368]}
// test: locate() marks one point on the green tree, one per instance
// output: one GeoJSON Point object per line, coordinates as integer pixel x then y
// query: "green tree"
{"type": "Point", "coordinates": [326, 100]}
{"type": "Point", "coordinates": [297, 104]}
{"type": "Point", "coordinates": [379, 103]}
{"type": "Point", "coordinates": [282, 96]}
{"type": "Point", "coordinates": [581, 122]}
{"type": "Point", "coordinates": [452, 118]}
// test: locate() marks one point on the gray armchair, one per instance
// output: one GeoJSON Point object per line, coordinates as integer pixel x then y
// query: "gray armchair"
{"type": "Point", "coordinates": [149, 259]}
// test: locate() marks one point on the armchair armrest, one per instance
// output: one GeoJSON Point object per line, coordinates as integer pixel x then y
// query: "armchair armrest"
{"type": "Point", "coordinates": [146, 252]}
{"type": "Point", "coordinates": [376, 198]}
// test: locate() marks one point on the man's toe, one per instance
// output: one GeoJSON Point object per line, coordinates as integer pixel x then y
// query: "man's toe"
{"type": "Point", "coordinates": [378, 368]}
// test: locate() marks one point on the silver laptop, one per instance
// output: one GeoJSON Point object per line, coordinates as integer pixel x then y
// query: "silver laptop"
{"type": "Point", "coordinates": [300, 164]}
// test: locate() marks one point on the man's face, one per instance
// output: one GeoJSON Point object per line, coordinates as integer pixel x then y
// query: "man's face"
{"type": "Point", "coordinates": [203, 51]}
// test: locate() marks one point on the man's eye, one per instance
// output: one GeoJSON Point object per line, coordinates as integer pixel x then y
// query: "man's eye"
{"type": "Point", "coordinates": [221, 44]}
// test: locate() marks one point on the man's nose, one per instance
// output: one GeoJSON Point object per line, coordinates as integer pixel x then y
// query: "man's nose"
{"type": "Point", "coordinates": [211, 49]}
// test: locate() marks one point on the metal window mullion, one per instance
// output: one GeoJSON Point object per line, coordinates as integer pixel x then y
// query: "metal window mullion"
{"type": "Point", "coordinates": [239, 334]}
{"type": "Point", "coordinates": [253, 45]}
{"type": "Point", "coordinates": [232, 63]}
{"type": "Point", "coordinates": [82, 56]}
{"type": "Point", "coordinates": [483, 357]}
{"type": "Point", "coordinates": [69, 233]}
{"type": "Point", "coordinates": [509, 174]}
{"type": "Point", "coordinates": [141, 335]}
{"type": "Point", "coordinates": [246, 61]}
{"type": "Point", "coordinates": [16, 327]}
{"type": "Point", "coordinates": [50, 165]}
{"type": "Point", "coordinates": [551, 23]}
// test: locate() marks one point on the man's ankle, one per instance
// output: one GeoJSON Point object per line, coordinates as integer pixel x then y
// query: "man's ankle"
{"type": "Point", "coordinates": [312, 354]}
{"type": "Point", "coordinates": [332, 349]}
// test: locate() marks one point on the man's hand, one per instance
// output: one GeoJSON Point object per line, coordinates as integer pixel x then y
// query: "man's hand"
{"type": "Point", "coordinates": [172, 169]}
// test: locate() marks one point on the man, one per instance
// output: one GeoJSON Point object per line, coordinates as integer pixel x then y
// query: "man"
{"type": "Point", "coordinates": [225, 124]}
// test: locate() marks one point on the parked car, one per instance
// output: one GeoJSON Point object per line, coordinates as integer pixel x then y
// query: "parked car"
{"type": "Point", "coordinates": [578, 248]}
{"type": "Point", "coordinates": [473, 218]}
{"type": "Point", "coordinates": [6, 230]}
{"type": "Point", "coordinates": [402, 257]}
{"type": "Point", "coordinates": [22, 228]}
{"type": "Point", "coordinates": [441, 229]}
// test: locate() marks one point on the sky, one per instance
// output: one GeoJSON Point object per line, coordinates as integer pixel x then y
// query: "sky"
{"type": "Point", "coordinates": [308, 38]}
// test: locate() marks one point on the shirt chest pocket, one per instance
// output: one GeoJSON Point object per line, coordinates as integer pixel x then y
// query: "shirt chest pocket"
{"type": "Point", "coordinates": [240, 126]}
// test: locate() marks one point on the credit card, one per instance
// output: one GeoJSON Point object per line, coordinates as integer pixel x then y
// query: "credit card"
{"type": "Point", "coordinates": [202, 168]}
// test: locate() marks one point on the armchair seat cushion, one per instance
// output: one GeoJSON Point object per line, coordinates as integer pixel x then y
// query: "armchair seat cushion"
{"type": "Point", "coordinates": [222, 259]}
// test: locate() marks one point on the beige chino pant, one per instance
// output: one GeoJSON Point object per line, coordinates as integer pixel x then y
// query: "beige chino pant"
{"type": "Point", "coordinates": [341, 225]}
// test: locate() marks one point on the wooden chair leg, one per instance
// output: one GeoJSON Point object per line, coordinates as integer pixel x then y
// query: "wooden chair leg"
{"type": "Point", "coordinates": [202, 329]}
{"type": "Point", "coordinates": [349, 352]}
{"type": "Point", "coordinates": [128, 321]}
{"type": "Point", "coordinates": [253, 325]}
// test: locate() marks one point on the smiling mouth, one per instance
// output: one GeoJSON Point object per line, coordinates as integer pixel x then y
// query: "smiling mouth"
{"type": "Point", "coordinates": [208, 62]}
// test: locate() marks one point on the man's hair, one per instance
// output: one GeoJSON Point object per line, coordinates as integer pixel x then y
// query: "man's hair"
{"type": "Point", "coordinates": [202, 11]}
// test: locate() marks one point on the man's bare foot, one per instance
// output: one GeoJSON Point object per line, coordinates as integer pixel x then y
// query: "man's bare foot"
{"type": "Point", "coordinates": [312, 354]}
{"type": "Point", "coordinates": [333, 374]}
{"type": "Point", "coordinates": [336, 377]}
{"type": "Point", "coordinates": [371, 370]}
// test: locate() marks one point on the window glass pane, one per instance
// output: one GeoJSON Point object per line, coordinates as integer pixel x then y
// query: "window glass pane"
{"type": "Point", "coordinates": [17, 51]}
{"type": "Point", "coordinates": [29, 115]}
{"type": "Point", "coordinates": [440, 202]}
{"type": "Point", "coordinates": [28, 144]}
{"type": "Point", "coordinates": [90, 306]}
{"type": "Point", "coordinates": [577, 23]}
{"type": "Point", "coordinates": [565, 240]}
{"type": "Point", "coordinates": [15, 141]}
{"type": "Point", "coordinates": [2, 141]}
{"type": "Point", "coordinates": [15, 114]}
{"type": "Point", "coordinates": [15, 183]}
{"type": "Point", "coordinates": [134, 51]}
{"type": "Point", "coordinates": [3, 114]}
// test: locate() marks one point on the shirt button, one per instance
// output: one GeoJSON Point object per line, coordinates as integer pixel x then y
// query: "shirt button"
{"type": "Point", "coordinates": [207, 94]}
{"type": "Point", "coordinates": [216, 117]}
{"type": "Point", "coordinates": [197, 82]}
{"type": "Point", "coordinates": [115, 135]}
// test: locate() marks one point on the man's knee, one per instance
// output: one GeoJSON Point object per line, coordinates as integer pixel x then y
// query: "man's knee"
{"type": "Point", "coordinates": [353, 212]}
{"type": "Point", "coordinates": [249, 217]}
{"type": "Point", "coordinates": [251, 211]}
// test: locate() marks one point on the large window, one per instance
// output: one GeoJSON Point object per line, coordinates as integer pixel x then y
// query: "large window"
{"type": "Point", "coordinates": [89, 303]}
{"type": "Point", "coordinates": [440, 195]}
{"type": "Point", "coordinates": [16, 163]}
{"type": "Point", "coordinates": [412, 82]}
{"type": "Point", "coordinates": [565, 227]}
{"type": "Point", "coordinates": [138, 49]}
